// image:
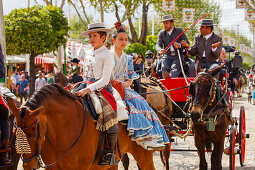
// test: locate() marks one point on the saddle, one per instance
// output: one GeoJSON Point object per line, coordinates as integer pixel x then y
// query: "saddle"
{"type": "Point", "coordinates": [93, 104]}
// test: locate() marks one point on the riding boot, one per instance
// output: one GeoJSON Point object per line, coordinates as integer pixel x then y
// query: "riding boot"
{"type": "Point", "coordinates": [108, 156]}
{"type": "Point", "coordinates": [4, 156]}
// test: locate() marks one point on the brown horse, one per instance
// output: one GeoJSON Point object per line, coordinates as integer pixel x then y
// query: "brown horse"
{"type": "Point", "coordinates": [151, 89]}
{"type": "Point", "coordinates": [240, 84]}
{"type": "Point", "coordinates": [209, 102]}
{"type": "Point", "coordinates": [61, 79]}
{"type": "Point", "coordinates": [64, 135]}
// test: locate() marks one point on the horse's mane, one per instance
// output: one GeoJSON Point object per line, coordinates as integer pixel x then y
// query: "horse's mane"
{"type": "Point", "coordinates": [40, 96]}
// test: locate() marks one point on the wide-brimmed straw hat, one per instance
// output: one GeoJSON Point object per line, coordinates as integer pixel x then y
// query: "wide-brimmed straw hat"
{"type": "Point", "coordinates": [207, 22]}
{"type": "Point", "coordinates": [96, 27]}
{"type": "Point", "coordinates": [167, 18]}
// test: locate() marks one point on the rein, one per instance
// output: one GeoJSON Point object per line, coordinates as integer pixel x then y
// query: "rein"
{"type": "Point", "coordinates": [165, 92]}
{"type": "Point", "coordinates": [38, 152]}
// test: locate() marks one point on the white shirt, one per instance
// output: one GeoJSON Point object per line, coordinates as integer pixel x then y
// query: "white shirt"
{"type": "Point", "coordinates": [39, 83]}
{"type": "Point", "coordinates": [100, 67]}
{"type": "Point", "coordinates": [170, 32]}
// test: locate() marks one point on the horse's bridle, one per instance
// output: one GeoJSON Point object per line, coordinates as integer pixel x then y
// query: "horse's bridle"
{"type": "Point", "coordinates": [212, 92]}
{"type": "Point", "coordinates": [38, 152]}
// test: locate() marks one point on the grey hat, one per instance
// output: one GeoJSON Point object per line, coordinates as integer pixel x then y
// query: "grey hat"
{"type": "Point", "coordinates": [96, 27]}
{"type": "Point", "coordinates": [207, 22]}
{"type": "Point", "coordinates": [167, 18]}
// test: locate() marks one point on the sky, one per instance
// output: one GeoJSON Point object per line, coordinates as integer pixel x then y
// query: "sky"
{"type": "Point", "coordinates": [231, 17]}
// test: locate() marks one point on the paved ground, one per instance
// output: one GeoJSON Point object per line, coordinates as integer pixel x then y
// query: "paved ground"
{"type": "Point", "coordinates": [189, 160]}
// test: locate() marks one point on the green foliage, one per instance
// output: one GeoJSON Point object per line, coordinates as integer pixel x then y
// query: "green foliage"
{"type": "Point", "coordinates": [76, 27]}
{"type": "Point", "coordinates": [136, 48]}
{"type": "Point", "coordinates": [151, 43]}
{"type": "Point", "coordinates": [247, 66]}
{"type": "Point", "coordinates": [36, 29]}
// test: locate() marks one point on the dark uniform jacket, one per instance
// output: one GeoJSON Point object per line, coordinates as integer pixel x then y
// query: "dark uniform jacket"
{"type": "Point", "coordinates": [201, 44]}
{"type": "Point", "coordinates": [1, 63]}
{"type": "Point", "coordinates": [164, 39]}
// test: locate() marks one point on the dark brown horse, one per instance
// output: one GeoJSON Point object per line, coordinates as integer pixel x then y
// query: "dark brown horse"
{"type": "Point", "coordinates": [208, 102]}
{"type": "Point", "coordinates": [61, 79]}
{"type": "Point", "coordinates": [64, 135]}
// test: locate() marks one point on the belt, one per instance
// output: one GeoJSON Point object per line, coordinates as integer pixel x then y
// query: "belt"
{"type": "Point", "coordinates": [172, 53]}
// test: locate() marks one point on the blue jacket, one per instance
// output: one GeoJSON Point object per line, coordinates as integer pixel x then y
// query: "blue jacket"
{"type": "Point", "coordinates": [2, 70]}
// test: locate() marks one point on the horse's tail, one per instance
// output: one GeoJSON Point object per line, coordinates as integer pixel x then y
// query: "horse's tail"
{"type": "Point", "coordinates": [208, 145]}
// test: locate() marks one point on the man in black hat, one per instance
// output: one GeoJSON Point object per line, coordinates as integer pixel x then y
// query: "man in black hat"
{"type": "Point", "coordinates": [170, 62]}
{"type": "Point", "coordinates": [75, 70]}
{"type": "Point", "coordinates": [206, 47]}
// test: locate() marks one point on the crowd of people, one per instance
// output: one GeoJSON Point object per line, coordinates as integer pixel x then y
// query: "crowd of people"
{"type": "Point", "coordinates": [19, 83]}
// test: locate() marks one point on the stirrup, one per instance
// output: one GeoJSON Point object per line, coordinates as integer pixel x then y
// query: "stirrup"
{"type": "Point", "coordinates": [107, 157]}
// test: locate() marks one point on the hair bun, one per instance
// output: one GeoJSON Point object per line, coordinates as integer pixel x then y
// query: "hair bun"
{"type": "Point", "coordinates": [119, 26]}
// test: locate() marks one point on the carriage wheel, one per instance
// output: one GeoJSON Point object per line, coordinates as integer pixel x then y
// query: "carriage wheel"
{"type": "Point", "coordinates": [242, 135]}
{"type": "Point", "coordinates": [162, 157]}
{"type": "Point", "coordinates": [232, 142]}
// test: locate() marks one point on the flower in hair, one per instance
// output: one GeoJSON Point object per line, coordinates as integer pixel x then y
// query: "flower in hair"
{"type": "Point", "coordinates": [119, 26]}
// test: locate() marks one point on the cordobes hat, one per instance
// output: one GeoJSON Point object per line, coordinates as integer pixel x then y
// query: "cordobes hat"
{"type": "Point", "coordinates": [75, 60]}
{"type": "Point", "coordinates": [167, 18]}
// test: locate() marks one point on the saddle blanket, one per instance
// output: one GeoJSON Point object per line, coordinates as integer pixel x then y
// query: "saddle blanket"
{"type": "Point", "coordinates": [122, 113]}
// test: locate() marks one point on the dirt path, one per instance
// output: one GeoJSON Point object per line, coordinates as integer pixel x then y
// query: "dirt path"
{"type": "Point", "coordinates": [190, 161]}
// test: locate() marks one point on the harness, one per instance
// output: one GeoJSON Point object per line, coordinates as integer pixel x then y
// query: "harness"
{"type": "Point", "coordinates": [213, 94]}
{"type": "Point", "coordinates": [37, 155]}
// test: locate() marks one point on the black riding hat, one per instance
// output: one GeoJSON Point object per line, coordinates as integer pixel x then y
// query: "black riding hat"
{"type": "Point", "coordinates": [75, 60]}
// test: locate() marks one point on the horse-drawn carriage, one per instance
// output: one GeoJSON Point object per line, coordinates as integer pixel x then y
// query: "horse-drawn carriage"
{"type": "Point", "coordinates": [180, 90]}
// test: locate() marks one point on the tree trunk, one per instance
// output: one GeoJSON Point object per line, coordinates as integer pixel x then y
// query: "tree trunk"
{"type": "Point", "coordinates": [134, 38]}
{"type": "Point", "coordinates": [58, 61]}
{"type": "Point", "coordinates": [32, 74]}
{"type": "Point", "coordinates": [144, 30]}
{"type": "Point", "coordinates": [101, 10]}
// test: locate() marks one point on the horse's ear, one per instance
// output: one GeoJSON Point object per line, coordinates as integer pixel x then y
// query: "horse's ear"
{"type": "Point", "coordinates": [12, 106]}
{"type": "Point", "coordinates": [36, 112]}
{"type": "Point", "coordinates": [216, 70]}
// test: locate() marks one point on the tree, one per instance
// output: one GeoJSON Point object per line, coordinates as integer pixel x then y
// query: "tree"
{"type": "Point", "coordinates": [35, 31]}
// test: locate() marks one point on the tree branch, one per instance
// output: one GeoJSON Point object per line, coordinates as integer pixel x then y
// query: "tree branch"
{"type": "Point", "coordinates": [84, 12]}
{"type": "Point", "coordinates": [117, 11]}
{"type": "Point", "coordinates": [47, 2]}
{"type": "Point", "coordinates": [62, 4]}
{"type": "Point", "coordinates": [79, 15]}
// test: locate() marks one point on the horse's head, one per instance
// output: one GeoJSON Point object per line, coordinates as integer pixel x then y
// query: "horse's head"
{"type": "Point", "coordinates": [61, 79]}
{"type": "Point", "coordinates": [203, 90]}
{"type": "Point", "coordinates": [28, 129]}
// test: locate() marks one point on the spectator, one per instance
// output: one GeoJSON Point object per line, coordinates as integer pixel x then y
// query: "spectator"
{"type": "Point", "coordinates": [17, 76]}
{"type": "Point", "coordinates": [49, 77]}
{"type": "Point", "coordinates": [26, 76]}
{"type": "Point", "coordinates": [39, 82]}
{"type": "Point", "coordinates": [22, 88]}
{"type": "Point", "coordinates": [13, 83]}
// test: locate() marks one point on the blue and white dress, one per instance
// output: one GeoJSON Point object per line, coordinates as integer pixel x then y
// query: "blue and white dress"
{"type": "Point", "coordinates": [143, 122]}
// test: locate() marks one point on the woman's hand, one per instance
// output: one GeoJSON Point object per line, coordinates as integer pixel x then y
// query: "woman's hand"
{"type": "Point", "coordinates": [127, 83]}
{"type": "Point", "coordinates": [83, 92]}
